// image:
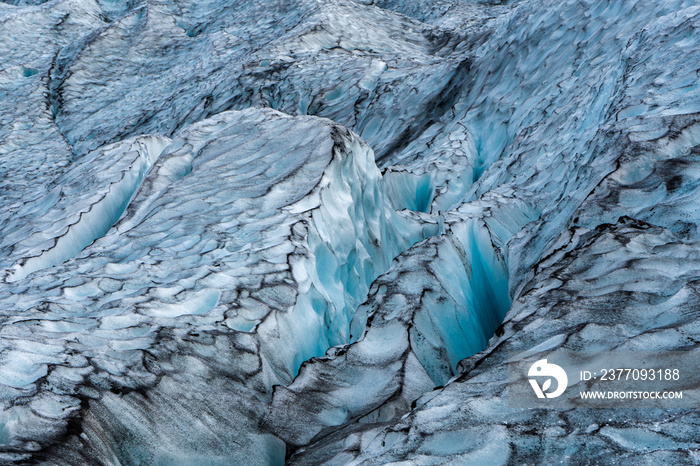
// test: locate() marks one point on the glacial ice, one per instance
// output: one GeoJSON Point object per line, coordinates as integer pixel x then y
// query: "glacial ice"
{"type": "Point", "coordinates": [105, 183]}
{"type": "Point", "coordinates": [256, 232]}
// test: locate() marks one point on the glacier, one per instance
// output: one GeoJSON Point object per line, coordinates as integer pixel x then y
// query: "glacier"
{"type": "Point", "coordinates": [312, 232]}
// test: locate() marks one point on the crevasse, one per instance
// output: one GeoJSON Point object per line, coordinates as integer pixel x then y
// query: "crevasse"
{"type": "Point", "coordinates": [133, 159]}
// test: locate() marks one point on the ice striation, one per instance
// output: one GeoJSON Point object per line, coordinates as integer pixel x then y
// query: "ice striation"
{"type": "Point", "coordinates": [312, 232]}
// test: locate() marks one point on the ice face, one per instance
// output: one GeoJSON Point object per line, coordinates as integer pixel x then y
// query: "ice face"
{"type": "Point", "coordinates": [248, 220]}
{"type": "Point", "coordinates": [258, 232]}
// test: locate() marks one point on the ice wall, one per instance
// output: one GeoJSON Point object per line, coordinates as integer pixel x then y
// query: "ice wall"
{"type": "Point", "coordinates": [236, 238]}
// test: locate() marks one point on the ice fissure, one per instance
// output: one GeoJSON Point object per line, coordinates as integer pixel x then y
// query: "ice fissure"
{"type": "Point", "coordinates": [82, 210]}
{"type": "Point", "coordinates": [407, 337]}
{"type": "Point", "coordinates": [311, 232]}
